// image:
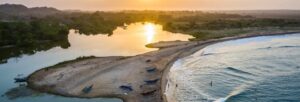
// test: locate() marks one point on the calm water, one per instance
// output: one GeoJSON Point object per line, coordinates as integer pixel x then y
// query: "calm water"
{"type": "Point", "coordinates": [124, 42]}
{"type": "Point", "coordinates": [259, 69]}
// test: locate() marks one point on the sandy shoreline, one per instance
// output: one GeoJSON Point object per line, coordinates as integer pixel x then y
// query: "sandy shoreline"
{"type": "Point", "coordinates": [128, 78]}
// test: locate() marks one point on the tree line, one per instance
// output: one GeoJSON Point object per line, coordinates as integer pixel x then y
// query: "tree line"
{"type": "Point", "coordinates": [55, 27]}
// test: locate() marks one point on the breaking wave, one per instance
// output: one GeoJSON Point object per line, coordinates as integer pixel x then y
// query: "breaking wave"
{"type": "Point", "coordinates": [239, 70]}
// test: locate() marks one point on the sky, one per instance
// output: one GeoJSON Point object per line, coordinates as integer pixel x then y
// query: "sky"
{"type": "Point", "coordinates": [103, 5]}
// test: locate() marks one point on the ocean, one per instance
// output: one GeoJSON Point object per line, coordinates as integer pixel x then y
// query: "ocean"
{"type": "Point", "coordinates": [257, 69]}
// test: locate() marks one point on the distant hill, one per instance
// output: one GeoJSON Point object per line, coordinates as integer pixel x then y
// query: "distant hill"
{"type": "Point", "coordinates": [9, 11]}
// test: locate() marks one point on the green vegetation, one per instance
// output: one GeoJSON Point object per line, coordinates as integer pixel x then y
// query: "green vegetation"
{"type": "Point", "coordinates": [218, 28]}
{"type": "Point", "coordinates": [28, 37]}
{"type": "Point", "coordinates": [106, 22]}
{"type": "Point", "coordinates": [201, 25]}
{"type": "Point", "coordinates": [27, 30]}
{"type": "Point", "coordinates": [31, 33]}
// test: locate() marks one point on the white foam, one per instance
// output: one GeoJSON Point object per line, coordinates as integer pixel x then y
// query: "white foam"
{"type": "Point", "coordinates": [221, 100]}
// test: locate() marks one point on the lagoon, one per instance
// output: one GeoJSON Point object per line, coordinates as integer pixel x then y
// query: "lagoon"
{"type": "Point", "coordinates": [128, 40]}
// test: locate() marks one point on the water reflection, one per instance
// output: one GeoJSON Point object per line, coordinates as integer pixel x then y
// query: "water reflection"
{"type": "Point", "coordinates": [9, 52]}
{"type": "Point", "coordinates": [123, 42]}
{"type": "Point", "coordinates": [149, 32]}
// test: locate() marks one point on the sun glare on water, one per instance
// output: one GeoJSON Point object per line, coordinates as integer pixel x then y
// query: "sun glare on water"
{"type": "Point", "coordinates": [149, 32]}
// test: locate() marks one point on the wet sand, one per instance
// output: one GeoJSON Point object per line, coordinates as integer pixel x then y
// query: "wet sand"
{"type": "Point", "coordinates": [140, 78]}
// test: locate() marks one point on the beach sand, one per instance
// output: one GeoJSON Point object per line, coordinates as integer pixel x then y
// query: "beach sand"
{"type": "Point", "coordinates": [104, 76]}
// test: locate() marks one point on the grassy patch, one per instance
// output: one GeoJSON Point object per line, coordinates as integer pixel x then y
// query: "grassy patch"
{"type": "Point", "coordinates": [214, 34]}
{"type": "Point", "coordinates": [63, 64]}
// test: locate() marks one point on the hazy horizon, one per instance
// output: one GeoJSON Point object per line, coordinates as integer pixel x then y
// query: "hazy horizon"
{"type": "Point", "coordinates": [104, 5]}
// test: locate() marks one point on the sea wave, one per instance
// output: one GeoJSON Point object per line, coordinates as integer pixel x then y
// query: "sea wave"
{"type": "Point", "coordinates": [238, 75]}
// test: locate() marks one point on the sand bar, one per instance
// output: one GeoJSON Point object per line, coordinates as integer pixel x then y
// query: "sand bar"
{"type": "Point", "coordinates": [140, 78]}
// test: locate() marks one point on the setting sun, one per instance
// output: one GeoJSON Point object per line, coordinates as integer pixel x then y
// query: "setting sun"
{"type": "Point", "coordinates": [149, 32]}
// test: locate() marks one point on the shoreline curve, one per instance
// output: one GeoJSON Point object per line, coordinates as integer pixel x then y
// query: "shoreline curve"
{"type": "Point", "coordinates": [106, 75]}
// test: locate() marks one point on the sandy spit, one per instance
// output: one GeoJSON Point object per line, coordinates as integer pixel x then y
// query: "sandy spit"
{"type": "Point", "coordinates": [144, 76]}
